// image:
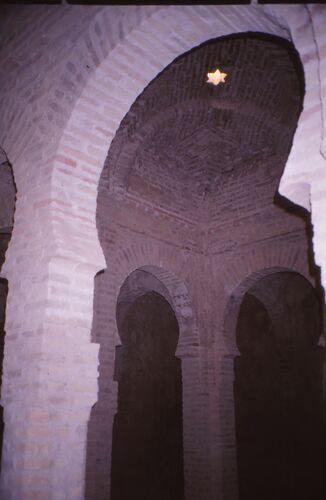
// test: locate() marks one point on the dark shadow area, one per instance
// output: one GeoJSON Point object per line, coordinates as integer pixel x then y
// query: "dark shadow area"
{"type": "Point", "coordinates": [3, 300]}
{"type": "Point", "coordinates": [147, 457]}
{"type": "Point", "coordinates": [7, 208]}
{"type": "Point", "coordinates": [278, 391]}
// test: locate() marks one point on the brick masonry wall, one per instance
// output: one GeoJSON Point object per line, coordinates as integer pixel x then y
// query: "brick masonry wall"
{"type": "Point", "coordinates": [207, 357]}
{"type": "Point", "coordinates": [240, 224]}
{"type": "Point", "coordinates": [64, 93]}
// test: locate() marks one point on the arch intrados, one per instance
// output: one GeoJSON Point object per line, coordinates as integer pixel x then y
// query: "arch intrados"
{"type": "Point", "coordinates": [133, 288]}
{"type": "Point", "coordinates": [257, 289]}
{"type": "Point", "coordinates": [176, 294]}
{"type": "Point", "coordinates": [236, 298]}
{"type": "Point", "coordinates": [253, 322]}
{"type": "Point", "coordinates": [263, 36]}
{"type": "Point", "coordinates": [267, 289]}
{"type": "Point", "coordinates": [147, 127]}
{"type": "Point", "coordinates": [119, 170]}
{"type": "Point", "coordinates": [211, 24]}
{"type": "Point", "coordinates": [140, 314]}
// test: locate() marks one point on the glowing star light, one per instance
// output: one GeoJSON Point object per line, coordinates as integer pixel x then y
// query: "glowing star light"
{"type": "Point", "coordinates": [216, 77]}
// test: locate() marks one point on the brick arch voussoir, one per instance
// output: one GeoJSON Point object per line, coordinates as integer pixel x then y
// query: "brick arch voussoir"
{"type": "Point", "coordinates": [165, 266]}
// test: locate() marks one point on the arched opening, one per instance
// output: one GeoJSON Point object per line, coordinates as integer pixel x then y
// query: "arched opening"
{"type": "Point", "coordinates": [278, 391]}
{"type": "Point", "coordinates": [147, 432]}
{"type": "Point", "coordinates": [178, 422]}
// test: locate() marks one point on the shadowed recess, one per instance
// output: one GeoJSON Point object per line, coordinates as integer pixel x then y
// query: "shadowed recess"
{"type": "Point", "coordinates": [278, 391]}
{"type": "Point", "coordinates": [147, 431]}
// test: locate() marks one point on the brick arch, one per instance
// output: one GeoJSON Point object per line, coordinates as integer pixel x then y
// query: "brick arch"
{"type": "Point", "coordinates": [243, 273]}
{"type": "Point", "coordinates": [239, 292]}
{"type": "Point", "coordinates": [94, 104]}
{"type": "Point", "coordinates": [177, 295]}
{"type": "Point", "coordinates": [166, 265]}
{"type": "Point", "coordinates": [264, 286]}
{"type": "Point", "coordinates": [97, 114]}
{"type": "Point", "coordinates": [125, 151]}
{"type": "Point", "coordinates": [246, 270]}
{"type": "Point", "coordinates": [180, 29]}
{"type": "Point", "coordinates": [114, 85]}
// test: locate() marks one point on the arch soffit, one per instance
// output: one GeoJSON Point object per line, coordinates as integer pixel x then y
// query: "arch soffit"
{"type": "Point", "coordinates": [148, 129]}
{"type": "Point", "coordinates": [247, 282]}
{"type": "Point", "coordinates": [176, 293]}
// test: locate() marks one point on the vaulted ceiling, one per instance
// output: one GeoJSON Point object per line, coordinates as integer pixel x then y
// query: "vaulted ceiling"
{"type": "Point", "coordinates": [184, 140]}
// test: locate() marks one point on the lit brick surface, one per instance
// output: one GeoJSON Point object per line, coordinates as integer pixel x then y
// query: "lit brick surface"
{"type": "Point", "coordinates": [69, 76]}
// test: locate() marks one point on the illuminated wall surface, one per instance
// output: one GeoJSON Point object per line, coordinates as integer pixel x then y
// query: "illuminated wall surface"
{"type": "Point", "coordinates": [162, 252]}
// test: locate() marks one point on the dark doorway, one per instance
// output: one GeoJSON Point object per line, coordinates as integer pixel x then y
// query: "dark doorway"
{"type": "Point", "coordinates": [278, 391]}
{"type": "Point", "coordinates": [147, 456]}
